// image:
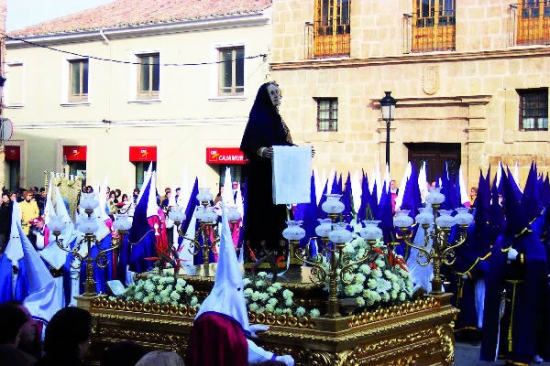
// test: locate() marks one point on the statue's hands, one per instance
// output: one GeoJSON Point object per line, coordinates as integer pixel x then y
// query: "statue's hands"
{"type": "Point", "coordinates": [286, 359]}
{"type": "Point", "coordinates": [266, 152]}
{"type": "Point", "coordinates": [257, 328]}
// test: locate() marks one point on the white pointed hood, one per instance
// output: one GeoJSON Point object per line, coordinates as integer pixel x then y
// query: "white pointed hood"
{"type": "Point", "coordinates": [228, 188]}
{"type": "Point", "coordinates": [152, 206]}
{"type": "Point", "coordinates": [69, 231]}
{"type": "Point", "coordinates": [102, 197]}
{"type": "Point", "coordinates": [148, 175]}
{"type": "Point", "coordinates": [52, 254]}
{"type": "Point", "coordinates": [49, 209]}
{"type": "Point", "coordinates": [42, 298]}
{"type": "Point", "coordinates": [14, 249]}
{"type": "Point", "coordinates": [227, 295]}
{"type": "Point", "coordinates": [402, 185]}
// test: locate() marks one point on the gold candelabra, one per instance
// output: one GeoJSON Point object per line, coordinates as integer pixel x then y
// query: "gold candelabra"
{"type": "Point", "coordinates": [332, 263]}
{"type": "Point", "coordinates": [441, 251]}
{"type": "Point", "coordinates": [207, 231]}
{"type": "Point", "coordinates": [89, 226]}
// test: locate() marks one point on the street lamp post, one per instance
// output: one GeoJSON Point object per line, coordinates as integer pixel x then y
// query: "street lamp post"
{"type": "Point", "coordinates": [387, 105]}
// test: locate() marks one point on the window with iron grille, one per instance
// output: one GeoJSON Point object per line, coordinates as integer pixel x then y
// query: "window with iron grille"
{"type": "Point", "coordinates": [433, 25]}
{"type": "Point", "coordinates": [533, 109]}
{"type": "Point", "coordinates": [78, 80]}
{"type": "Point", "coordinates": [149, 76]}
{"type": "Point", "coordinates": [231, 80]}
{"type": "Point", "coordinates": [327, 114]}
{"type": "Point", "coordinates": [332, 28]}
{"type": "Point", "coordinates": [533, 26]}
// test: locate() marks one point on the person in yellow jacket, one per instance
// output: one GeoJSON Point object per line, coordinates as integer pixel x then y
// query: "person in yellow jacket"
{"type": "Point", "coordinates": [29, 211]}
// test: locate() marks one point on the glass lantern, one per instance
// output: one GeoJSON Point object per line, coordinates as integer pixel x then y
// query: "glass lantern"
{"type": "Point", "coordinates": [371, 231]}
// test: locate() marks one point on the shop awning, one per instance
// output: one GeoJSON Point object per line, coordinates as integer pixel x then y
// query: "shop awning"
{"type": "Point", "coordinates": [75, 153]}
{"type": "Point", "coordinates": [143, 153]}
{"type": "Point", "coordinates": [12, 153]}
{"type": "Point", "coordinates": [225, 155]}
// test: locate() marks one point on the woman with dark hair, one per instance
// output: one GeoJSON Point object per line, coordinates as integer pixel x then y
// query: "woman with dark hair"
{"type": "Point", "coordinates": [30, 336]}
{"type": "Point", "coordinates": [13, 320]}
{"type": "Point", "coordinates": [67, 338]}
{"type": "Point", "coordinates": [264, 221]}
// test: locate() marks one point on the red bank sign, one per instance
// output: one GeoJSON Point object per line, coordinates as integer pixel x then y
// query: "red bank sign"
{"type": "Point", "coordinates": [225, 155]}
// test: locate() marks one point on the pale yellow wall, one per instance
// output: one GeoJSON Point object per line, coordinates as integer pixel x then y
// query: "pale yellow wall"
{"type": "Point", "coordinates": [474, 103]}
{"type": "Point", "coordinates": [188, 117]}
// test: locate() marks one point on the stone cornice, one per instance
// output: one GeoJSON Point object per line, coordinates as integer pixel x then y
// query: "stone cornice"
{"type": "Point", "coordinates": [438, 101]}
{"type": "Point", "coordinates": [416, 58]}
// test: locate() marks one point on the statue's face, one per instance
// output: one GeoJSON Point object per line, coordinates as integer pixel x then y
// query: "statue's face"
{"type": "Point", "coordinates": [274, 94]}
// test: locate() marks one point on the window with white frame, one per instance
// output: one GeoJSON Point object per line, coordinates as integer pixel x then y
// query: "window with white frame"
{"type": "Point", "coordinates": [327, 114]}
{"type": "Point", "coordinates": [14, 88]}
{"type": "Point", "coordinates": [148, 76]}
{"type": "Point", "coordinates": [231, 71]}
{"type": "Point", "coordinates": [78, 80]}
{"type": "Point", "coordinates": [533, 109]}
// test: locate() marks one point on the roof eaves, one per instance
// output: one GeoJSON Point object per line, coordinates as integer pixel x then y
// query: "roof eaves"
{"type": "Point", "coordinates": [123, 30]}
{"type": "Point", "coordinates": [136, 25]}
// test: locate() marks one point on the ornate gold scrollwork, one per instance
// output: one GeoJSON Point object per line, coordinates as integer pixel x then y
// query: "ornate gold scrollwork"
{"type": "Point", "coordinates": [446, 338]}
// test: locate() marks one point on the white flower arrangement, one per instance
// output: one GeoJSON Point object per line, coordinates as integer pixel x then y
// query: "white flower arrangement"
{"type": "Point", "coordinates": [261, 296]}
{"type": "Point", "coordinates": [383, 280]}
{"type": "Point", "coordinates": [161, 289]}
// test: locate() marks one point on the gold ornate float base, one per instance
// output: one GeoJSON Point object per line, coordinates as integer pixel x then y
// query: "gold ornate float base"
{"type": "Point", "coordinates": [416, 333]}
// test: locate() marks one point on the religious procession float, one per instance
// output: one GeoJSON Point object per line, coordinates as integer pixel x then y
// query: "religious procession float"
{"type": "Point", "coordinates": [347, 301]}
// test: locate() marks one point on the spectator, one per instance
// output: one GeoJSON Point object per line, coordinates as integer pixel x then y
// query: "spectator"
{"type": "Point", "coordinates": [39, 233]}
{"type": "Point", "coordinates": [112, 203]}
{"type": "Point", "coordinates": [161, 358]}
{"type": "Point", "coordinates": [20, 194]}
{"type": "Point", "coordinates": [67, 338]}
{"type": "Point", "coordinates": [166, 201]}
{"type": "Point", "coordinates": [235, 186]}
{"type": "Point", "coordinates": [12, 320]}
{"type": "Point", "coordinates": [5, 220]}
{"type": "Point", "coordinates": [41, 201]}
{"type": "Point", "coordinates": [30, 337]}
{"type": "Point", "coordinates": [473, 196]}
{"type": "Point", "coordinates": [29, 211]}
{"type": "Point", "coordinates": [125, 353]}
{"type": "Point", "coordinates": [177, 197]}
{"type": "Point", "coordinates": [135, 195]}
{"type": "Point", "coordinates": [394, 191]}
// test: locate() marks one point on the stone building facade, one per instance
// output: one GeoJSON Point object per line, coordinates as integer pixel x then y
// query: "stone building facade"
{"type": "Point", "coordinates": [469, 77]}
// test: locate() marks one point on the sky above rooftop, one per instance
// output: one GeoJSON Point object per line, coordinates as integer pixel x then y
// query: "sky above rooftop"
{"type": "Point", "coordinates": [22, 13]}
